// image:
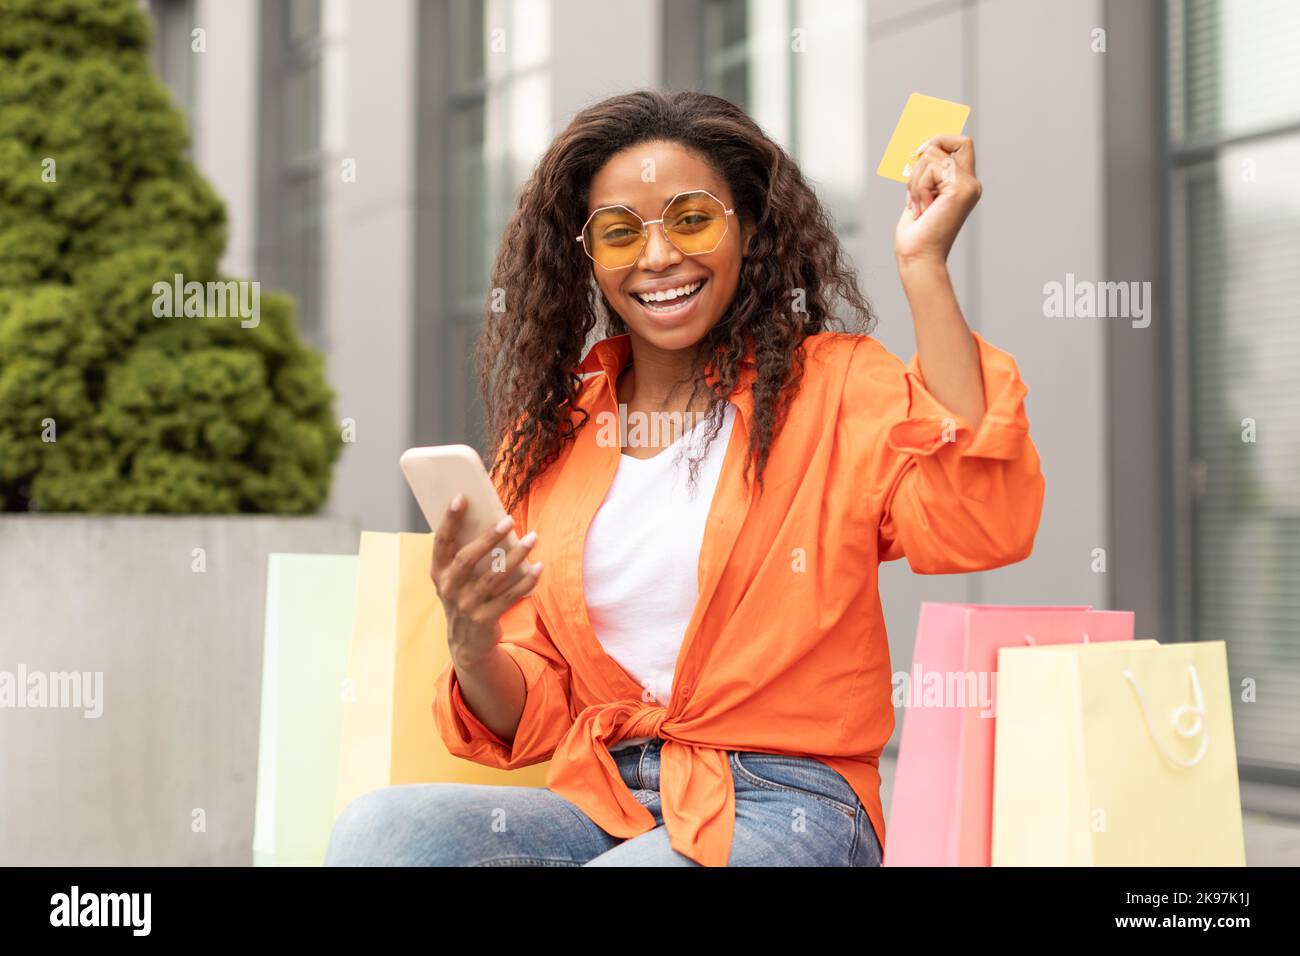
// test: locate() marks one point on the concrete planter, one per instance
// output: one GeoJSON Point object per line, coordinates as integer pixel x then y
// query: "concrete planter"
{"type": "Point", "coordinates": [130, 682]}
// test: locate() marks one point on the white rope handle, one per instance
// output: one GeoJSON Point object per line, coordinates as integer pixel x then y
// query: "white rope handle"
{"type": "Point", "coordinates": [1029, 639]}
{"type": "Point", "coordinates": [1197, 711]}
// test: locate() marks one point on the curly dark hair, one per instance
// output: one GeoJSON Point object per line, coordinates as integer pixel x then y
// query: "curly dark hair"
{"type": "Point", "coordinates": [528, 353]}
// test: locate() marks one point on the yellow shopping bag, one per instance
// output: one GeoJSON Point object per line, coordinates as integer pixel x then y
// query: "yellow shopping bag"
{"type": "Point", "coordinates": [399, 646]}
{"type": "Point", "coordinates": [1115, 755]}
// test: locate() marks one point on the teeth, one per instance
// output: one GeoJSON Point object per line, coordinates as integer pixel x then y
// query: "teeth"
{"type": "Point", "coordinates": [667, 295]}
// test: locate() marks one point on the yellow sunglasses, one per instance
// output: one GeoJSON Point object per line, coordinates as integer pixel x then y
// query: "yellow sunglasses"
{"type": "Point", "coordinates": [695, 222]}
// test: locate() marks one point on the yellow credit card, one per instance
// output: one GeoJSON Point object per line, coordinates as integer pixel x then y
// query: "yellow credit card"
{"type": "Point", "coordinates": [924, 117]}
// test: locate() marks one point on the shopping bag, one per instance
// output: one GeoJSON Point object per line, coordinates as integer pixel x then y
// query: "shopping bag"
{"type": "Point", "coordinates": [399, 646]}
{"type": "Point", "coordinates": [943, 783]}
{"type": "Point", "coordinates": [1116, 756]}
{"type": "Point", "coordinates": [309, 604]}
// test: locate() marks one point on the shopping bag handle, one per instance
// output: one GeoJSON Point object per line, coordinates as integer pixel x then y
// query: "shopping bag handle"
{"type": "Point", "coordinates": [1029, 639]}
{"type": "Point", "coordinates": [1197, 711]}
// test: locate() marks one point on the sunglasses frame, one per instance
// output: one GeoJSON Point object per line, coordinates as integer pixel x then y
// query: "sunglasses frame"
{"type": "Point", "coordinates": [647, 223]}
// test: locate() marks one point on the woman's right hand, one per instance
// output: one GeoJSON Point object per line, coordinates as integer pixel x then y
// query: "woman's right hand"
{"type": "Point", "coordinates": [474, 604]}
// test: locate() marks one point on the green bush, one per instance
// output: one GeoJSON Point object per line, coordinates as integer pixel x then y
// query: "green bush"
{"type": "Point", "coordinates": [147, 414]}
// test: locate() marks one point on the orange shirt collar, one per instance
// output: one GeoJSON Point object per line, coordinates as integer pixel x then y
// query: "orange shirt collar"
{"type": "Point", "coordinates": [610, 355]}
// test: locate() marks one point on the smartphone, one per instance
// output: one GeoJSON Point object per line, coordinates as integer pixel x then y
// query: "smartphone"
{"type": "Point", "coordinates": [436, 473]}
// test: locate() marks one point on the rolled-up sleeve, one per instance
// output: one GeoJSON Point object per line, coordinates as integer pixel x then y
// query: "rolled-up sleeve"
{"type": "Point", "coordinates": [948, 497]}
{"type": "Point", "coordinates": [546, 717]}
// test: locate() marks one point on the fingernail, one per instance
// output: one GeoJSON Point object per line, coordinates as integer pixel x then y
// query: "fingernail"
{"type": "Point", "coordinates": [457, 502]}
{"type": "Point", "coordinates": [529, 539]}
{"type": "Point", "coordinates": [505, 523]}
{"type": "Point", "coordinates": [537, 569]}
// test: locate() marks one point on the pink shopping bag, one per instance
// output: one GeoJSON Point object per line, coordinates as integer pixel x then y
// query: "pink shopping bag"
{"type": "Point", "coordinates": [942, 808]}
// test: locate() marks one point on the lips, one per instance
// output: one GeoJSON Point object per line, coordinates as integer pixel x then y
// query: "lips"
{"type": "Point", "coordinates": [671, 300]}
{"type": "Point", "coordinates": [668, 293]}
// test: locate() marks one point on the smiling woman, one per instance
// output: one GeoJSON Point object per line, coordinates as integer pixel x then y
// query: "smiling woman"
{"type": "Point", "coordinates": [706, 654]}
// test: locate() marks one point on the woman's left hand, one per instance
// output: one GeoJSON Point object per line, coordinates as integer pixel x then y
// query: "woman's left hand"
{"type": "Point", "coordinates": [941, 193]}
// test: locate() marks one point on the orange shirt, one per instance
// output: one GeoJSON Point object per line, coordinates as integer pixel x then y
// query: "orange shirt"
{"type": "Point", "coordinates": [786, 650]}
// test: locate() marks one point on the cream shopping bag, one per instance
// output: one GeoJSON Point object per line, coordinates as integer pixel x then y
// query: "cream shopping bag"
{"type": "Point", "coordinates": [1115, 755]}
{"type": "Point", "coordinates": [399, 646]}
{"type": "Point", "coordinates": [309, 608]}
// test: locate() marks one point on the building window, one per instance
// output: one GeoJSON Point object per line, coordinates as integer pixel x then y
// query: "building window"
{"type": "Point", "coordinates": [798, 68]}
{"type": "Point", "coordinates": [1234, 133]}
{"type": "Point", "coordinates": [172, 55]}
{"type": "Point", "coordinates": [290, 189]}
{"type": "Point", "coordinates": [497, 110]}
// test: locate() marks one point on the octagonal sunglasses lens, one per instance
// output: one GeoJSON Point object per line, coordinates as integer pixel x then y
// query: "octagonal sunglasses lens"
{"type": "Point", "coordinates": [695, 223]}
{"type": "Point", "coordinates": [614, 237]}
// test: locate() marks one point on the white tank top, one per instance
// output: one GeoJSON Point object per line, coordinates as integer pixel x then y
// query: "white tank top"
{"type": "Point", "coordinates": [642, 555]}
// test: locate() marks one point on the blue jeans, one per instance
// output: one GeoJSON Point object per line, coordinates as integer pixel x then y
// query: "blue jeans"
{"type": "Point", "coordinates": [790, 811]}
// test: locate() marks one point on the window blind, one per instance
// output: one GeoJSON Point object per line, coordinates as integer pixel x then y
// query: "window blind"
{"type": "Point", "coordinates": [1235, 95]}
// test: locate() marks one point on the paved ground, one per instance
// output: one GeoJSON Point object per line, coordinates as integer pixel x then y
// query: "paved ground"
{"type": "Point", "coordinates": [1272, 839]}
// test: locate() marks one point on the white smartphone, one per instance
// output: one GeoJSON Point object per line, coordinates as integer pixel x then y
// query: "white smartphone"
{"type": "Point", "coordinates": [436, 473]}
